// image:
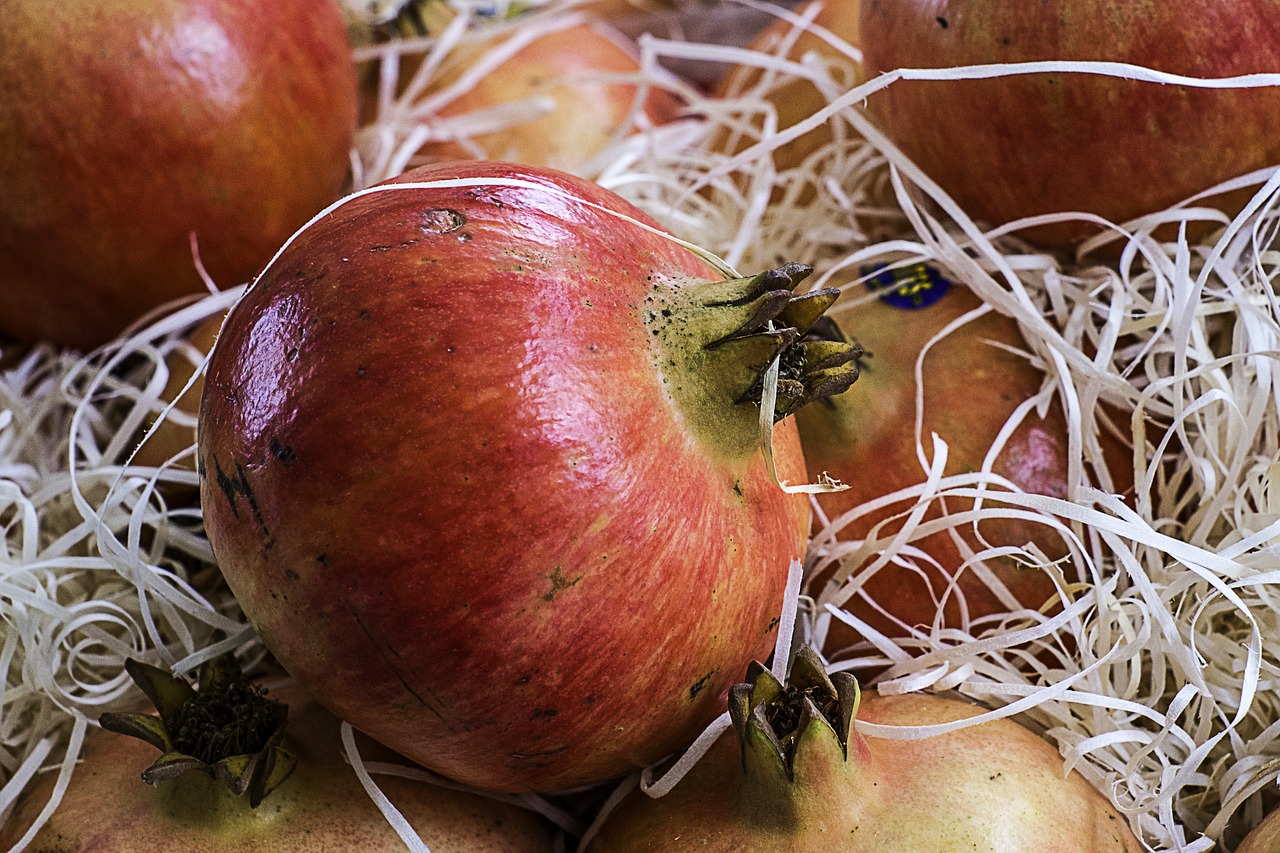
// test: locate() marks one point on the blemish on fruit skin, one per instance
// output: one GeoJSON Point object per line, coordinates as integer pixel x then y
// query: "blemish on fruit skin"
{"type": "Point", "coordinates": [283, 452]}
{"type": "Point", "coordinates": [290, 574]}
{"type": "Point", "coordinates": [442, 221]}
{"type": "Point", "coordinates": [236, 487]}
{"type": "Point", "coordinates": [698, 685]}
{"type": "Point", "coordinates": [383, 651]}
{"type": "Point", "coordinates": [559, 583]}
{"type": "Point", "coordinates": [530, 756]}
{"type": "Point", "coordinates": [388, 247]}
{"type": "Point", "coordinates": [543, 713]}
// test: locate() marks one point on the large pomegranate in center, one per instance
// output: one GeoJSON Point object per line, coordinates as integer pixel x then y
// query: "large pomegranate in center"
{"type": "Point", "coordinates": [481, 462]}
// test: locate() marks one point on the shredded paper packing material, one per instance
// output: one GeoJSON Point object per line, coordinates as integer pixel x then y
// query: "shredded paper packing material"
{"type": "Point", "coordinates": [1156, 676]}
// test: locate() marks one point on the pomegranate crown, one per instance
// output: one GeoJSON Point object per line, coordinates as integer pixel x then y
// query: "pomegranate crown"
{"type": "Point", "coordinates": [226, 728]}
{"type": "Point", "coordinates": [715, 342]}
{"type": "Point", "coordinates": [776, 722]}
{"type": "Point", "coordinates": [746, 323]}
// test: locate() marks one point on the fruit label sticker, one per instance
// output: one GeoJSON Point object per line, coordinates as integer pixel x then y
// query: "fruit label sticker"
{"type": "Point", "coordinates": [917, 285]}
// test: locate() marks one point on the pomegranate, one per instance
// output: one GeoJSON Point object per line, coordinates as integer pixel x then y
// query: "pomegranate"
{"type": "Point", "coordinates": [804, 162]}
{"type": "Point", "coordinates": [800, 776]}
{"type": "Point", "coordinates": [795, 99]}
{"type": "Point", "coordinates": [1021, 145]}
{"type": "Point", "coordinates": [199, 804]}
{"type": "Point", "coordinates": [972, 385]}
{"type": "Point", "coordinates": [1265, 837]}
{"type": "Point", "coordinates": [567, 68]}
{"type": "Point", "coordinates": [480, 462]}
{"type": "Point", "coordinates": [129, 125]}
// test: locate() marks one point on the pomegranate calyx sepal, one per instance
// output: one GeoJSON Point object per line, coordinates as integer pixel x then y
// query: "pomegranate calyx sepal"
{"type": "Point", "coordinates": [784, 728]}
{"type": "Point", "coordinates": [225, 728]}
{"type": "Point", "coordinates": [714, 341]}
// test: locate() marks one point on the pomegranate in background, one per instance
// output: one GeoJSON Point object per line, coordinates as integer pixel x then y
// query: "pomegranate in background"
{"type": "Point", "coordinates": [1026, 144]}
{"type": "Point", "coordinates": [800, 776]}
{"type": "Point", "coordinates": [1265, 837]}
{"type": "Point", "coordinates": [574, 108]}
{"type": "Point", "coordinates": [129, 125]}
{"type": "Point", "coordinates": [192, 805]}
{"type": "Point", "coordinates": [173, 436]}
{"type": "Point", "coordinates": [795, 99]}
{"type": "Point", "coordinates": [972, 385]}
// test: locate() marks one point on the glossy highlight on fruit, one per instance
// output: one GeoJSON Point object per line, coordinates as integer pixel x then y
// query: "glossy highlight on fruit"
{"type": "Point", "coordinates": [128, 127]}
{"type": "Point", "coordinates": [481, 462]}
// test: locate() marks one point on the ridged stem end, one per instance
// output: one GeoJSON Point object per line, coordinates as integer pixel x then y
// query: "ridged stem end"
{"type": "Point", "coordinates": [226, 727]}
{"type": "Point", "coordinates": [714, 341]}
{"type": "Point", "coordinates": [794, 737]}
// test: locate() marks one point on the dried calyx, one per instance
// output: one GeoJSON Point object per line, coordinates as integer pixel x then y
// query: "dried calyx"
{"type": "Point", "coordinates": [777, 724]}
{"type": "Point", "coordinates": [716, 340]}
{"type": "Point", "coordinates": [226, 727]}
{"type": "Point", "coordinates": [412, 19]}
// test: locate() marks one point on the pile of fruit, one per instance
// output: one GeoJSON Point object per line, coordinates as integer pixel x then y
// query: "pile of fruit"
{"type": "Point", "coordinates": [618, 425]}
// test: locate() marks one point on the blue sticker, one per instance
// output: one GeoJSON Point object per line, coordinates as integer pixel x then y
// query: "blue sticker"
{"type": "Point", "coordinates": [914, 286]}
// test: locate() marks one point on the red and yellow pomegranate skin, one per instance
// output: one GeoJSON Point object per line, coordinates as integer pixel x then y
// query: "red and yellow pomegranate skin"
{"type": "Point", "coordinates": [994, 787]}
{"type": "Point", "coordinates": [128, 126]}
{"type": "Point", "coordinates": [445, 479]}
{"type": "Point", "coordinates": [321, 807]}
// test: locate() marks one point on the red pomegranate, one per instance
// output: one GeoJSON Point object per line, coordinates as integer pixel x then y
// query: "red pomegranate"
{"type": "Point", "coordinates": [481, 462]}
{"type": "Point", "coordinates": [129, 126]}
{"type": "Point", "coordinates": [973, 380]}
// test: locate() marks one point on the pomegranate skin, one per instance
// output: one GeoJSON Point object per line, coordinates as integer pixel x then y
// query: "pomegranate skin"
{"type": "Point", "coordinates": [1027, 144]}
{"type": "Point", "coordinates": [996, 787]}
{"type": "Point", "coordinates": [445, 479]}
{"type": "Point", "coordinates": [585, 112]}
{"type": "Point", "coordinates": [320, 808]}
{"type": "Point", "coordinates": [1264, 838]}
{"type": "Point", "coordinates": [128, 125]}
